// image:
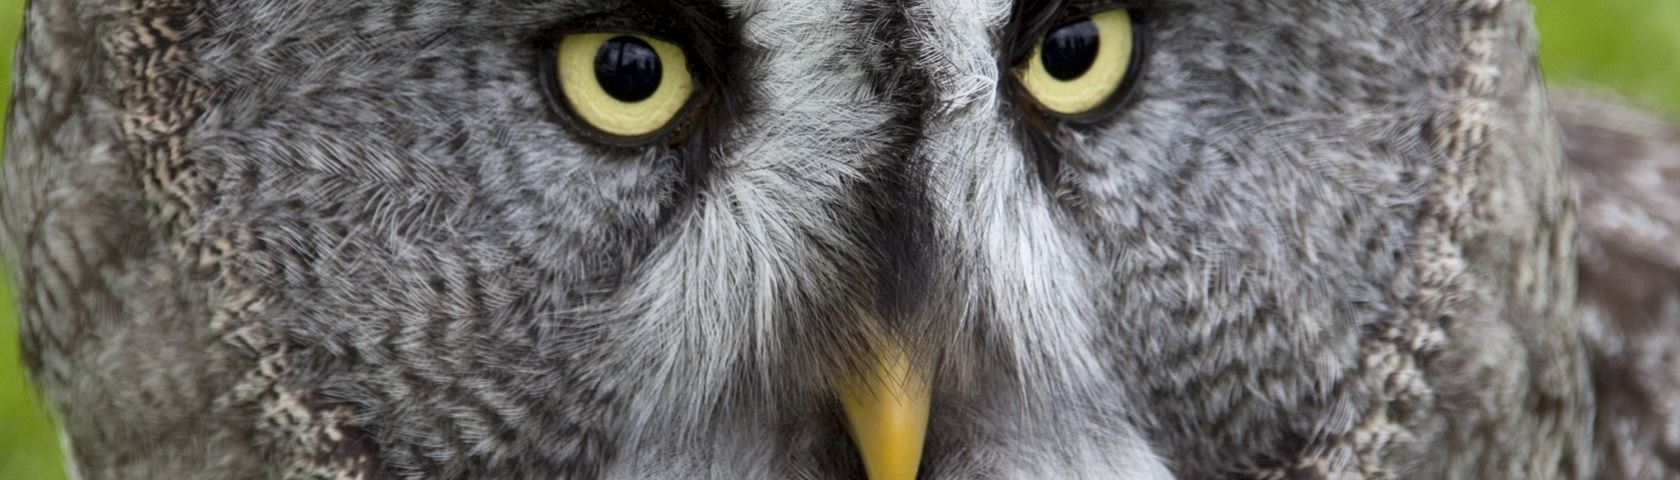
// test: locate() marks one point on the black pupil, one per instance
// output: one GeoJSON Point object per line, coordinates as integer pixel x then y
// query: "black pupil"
{"type": "Point", "coordinates": [628, 69]}
{"type": "Point", "coordinates": [1070, 51]}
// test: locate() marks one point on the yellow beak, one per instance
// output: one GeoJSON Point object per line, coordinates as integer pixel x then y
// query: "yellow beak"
{"type": "Point", "coordinates": [887, 413]}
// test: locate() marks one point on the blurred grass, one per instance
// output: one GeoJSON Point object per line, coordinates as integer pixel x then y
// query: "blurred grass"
{"type": "Point", "coordinates": [1630, 46]}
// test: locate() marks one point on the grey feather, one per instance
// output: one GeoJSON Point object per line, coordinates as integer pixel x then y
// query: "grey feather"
{"type": "Point", "coordinates": [1626, 166]}
{"type": "Point", "coordinates": [327, 239]}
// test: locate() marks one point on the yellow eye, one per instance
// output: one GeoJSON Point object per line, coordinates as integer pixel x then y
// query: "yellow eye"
{"type": "Point", "coordinates": [624, 85]}
{"type": "Point", "coordinates": [1079, 67]}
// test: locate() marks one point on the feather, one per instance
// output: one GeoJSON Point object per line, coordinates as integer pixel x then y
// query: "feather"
{"type": "Point", "coordinates": [1626, 166]}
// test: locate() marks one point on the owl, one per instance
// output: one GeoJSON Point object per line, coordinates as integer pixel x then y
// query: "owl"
{"type": "Point", "coordinates": [836, 239]}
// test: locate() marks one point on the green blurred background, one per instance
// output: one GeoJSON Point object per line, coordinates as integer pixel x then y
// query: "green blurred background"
{"type": "Point", "coordinates": [1627, 47]}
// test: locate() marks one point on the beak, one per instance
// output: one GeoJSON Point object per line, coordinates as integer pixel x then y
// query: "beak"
{"type": "Point", "coordinates": [886, 412]}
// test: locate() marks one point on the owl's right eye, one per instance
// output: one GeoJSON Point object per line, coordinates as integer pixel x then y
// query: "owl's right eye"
{"type": "Point", "coordinates": [1081, 67]}
{"type": "Point", "coordinates": [628, 87]}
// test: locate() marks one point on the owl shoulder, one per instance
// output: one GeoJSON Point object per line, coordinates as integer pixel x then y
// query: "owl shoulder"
{"type": "Point", "coordinates": [1626, 169]}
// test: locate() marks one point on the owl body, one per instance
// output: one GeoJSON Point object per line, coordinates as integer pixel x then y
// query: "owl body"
{"type": "Point", "coordinates": [322, 239]}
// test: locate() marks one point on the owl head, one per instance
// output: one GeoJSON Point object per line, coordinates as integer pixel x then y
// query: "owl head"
{"type": "Point", "coordinates": [793, 238]}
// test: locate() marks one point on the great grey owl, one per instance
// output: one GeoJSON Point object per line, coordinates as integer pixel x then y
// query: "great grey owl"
{"type": "Point", "coordinates": [815, 239]}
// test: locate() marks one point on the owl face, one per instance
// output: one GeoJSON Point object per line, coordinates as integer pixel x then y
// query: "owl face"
{"type": "Point", "coordinates": [818, 238]}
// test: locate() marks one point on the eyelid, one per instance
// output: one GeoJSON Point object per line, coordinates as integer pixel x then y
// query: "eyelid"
{"type": "Point", "coordinates": [628, 21]}
{"type": "Point", "coordinates": [701, 27]}
{"type": "Point", "coordinates": [1098, 6]}
{"type": "Point", "coordinates": [1077, 10]}
{"type": "Point", "coordinates": [1032, 32]}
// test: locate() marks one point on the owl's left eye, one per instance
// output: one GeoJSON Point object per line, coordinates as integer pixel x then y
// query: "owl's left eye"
{"type": "Point", "coordinates": [628, 87]}
{"type": "Point", "coordinates": [1082, 66]}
